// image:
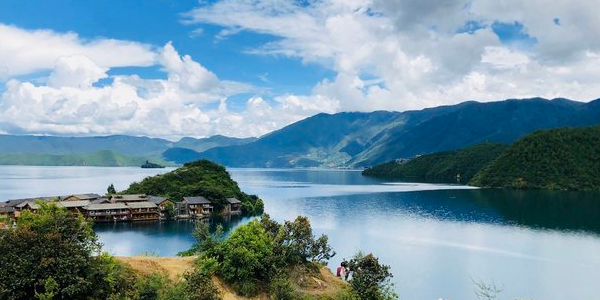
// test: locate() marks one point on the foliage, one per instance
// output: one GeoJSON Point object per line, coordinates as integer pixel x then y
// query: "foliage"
{"type": "Point", "coordinates": [441, 166]}
{"type": "Point", "coordinates": [52, 254]}
{"type": "Point", "coordinates": [199, 178]}
{"type": "Point", "coordinates": [111, 189]}
{"type": "Point", "coordinates": [560, 159]}
{"type": "Point", "coordinates": [370, 279]}
{"type": "Point", "coordinates": [258, 252]}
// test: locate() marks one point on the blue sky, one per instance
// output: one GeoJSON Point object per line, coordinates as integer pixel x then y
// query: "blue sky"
{"type": "Point", "coordinates": [247, 67]}
{"type": "Point", "coordinates": [157, 22]}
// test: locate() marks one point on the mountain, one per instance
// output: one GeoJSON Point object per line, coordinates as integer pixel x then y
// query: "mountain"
{"type": "Point", "coordinates": [328, 140]}
{"type": "Point", "coordinates": [559, 159]}
{"type": "Point", "coordinates": [122, 144]}
{"type": "Point", "coordinates": [100, 158]}
{"type": "Point", "coordinates": [441, 166]}
{"type": "Point", "coordinates": [365, 139]}
{"type": "Point", "coordinates": [114, 150]}
{"type": "Point", "coordinates": [204, 144]}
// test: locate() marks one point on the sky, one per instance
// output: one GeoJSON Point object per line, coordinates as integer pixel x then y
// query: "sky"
{"type": "Point", "coordinates": [244, 68]}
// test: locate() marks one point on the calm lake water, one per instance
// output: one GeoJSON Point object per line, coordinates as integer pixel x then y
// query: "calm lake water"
{"type": "Point", "coordinates": [437, 238]}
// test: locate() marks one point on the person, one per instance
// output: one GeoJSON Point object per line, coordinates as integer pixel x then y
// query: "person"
{"type": "Point", "coordinates": [346, 272]}
{"type": "Point", "coordinates": [340, 270]}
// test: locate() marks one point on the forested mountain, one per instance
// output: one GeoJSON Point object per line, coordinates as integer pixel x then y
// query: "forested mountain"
{"type": "Point", "coordinates": [559, 159]}
{"type": "Point", "coordinates": [336, 140]}
{"type": "Point", "coordinates": [441, 166]}
{"type": "Point", "coordinates": [365, 139]}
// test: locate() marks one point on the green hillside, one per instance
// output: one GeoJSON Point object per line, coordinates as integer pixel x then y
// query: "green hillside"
{"type": "Point", "coordinates": [440, 166]}
{"type": "Point", "coordinates": [103, 158]}
{"type": "Point", "coordinates": [199, 178]}
{"type": "Point", "coordinates": [559, 159]}
{"type": "Point", "coordinates": [368, 139]}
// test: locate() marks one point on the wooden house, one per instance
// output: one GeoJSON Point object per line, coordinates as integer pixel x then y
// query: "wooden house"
{"type": "Point", "coordinates": [198, 207]}
{"type": "Point", "coordinates": [163, 205]}
{"type": "Point", "coordinates": [233, 207]}
{"type": "Point", "coordinates": [108, 212]}
{"type": "Point", "coordinates": [143, 211]}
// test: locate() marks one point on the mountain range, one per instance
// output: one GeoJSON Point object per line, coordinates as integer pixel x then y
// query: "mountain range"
{"type": "Point", "coordinates": [347, 139]}
{"type": "Point", "coordinates": [365, 139]}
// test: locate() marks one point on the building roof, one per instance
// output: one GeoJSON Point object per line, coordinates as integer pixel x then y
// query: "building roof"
{"type": "Point", "coordinates": [100, 200]}
{"type": "Point", "coordinates": [157, 200]}
{"type": "Point", "coordinates": [6, 209]}
{"type": "Point", "coordinates": [233, 201]}
{"type": "Point", "coordinates": [196, 200]}
{"type": "Point", "coordinates": [28, 203]}
{"type": "Point", "coordinates": [15, 202]}
{"type": "Point", "coordinates": [142, 204]}
{"type": "Point", "coordinates": [84, 196]}
{"type": "Point", "coordinates": [75, 203]}
{"type": "Point", "coordinates": [129, 198]}
{"type": "Point", "coordinates": [105, 206]}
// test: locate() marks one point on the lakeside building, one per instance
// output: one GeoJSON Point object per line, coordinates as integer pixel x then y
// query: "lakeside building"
{"type": "Point", "coordinates": [121, 208]}
{"type": "Point", "coordinates": [163, 205]}
{"type": "Point", "coordinates": [197, 207]}
{"type": "Point", "coordinates": [143, 211]}
{"type": "Point", "coordinates": [108, 212]}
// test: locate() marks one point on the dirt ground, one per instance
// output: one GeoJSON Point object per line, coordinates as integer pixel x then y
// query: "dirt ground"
{"type": "Point", "coordinates": [324, 283]}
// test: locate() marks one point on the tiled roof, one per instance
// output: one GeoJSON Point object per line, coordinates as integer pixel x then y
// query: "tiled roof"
{"type": "Point", "coordinates": [104, 206]}
{"type": "Point", "coordinates": [85, 196]}
{"type": "Point", "coordinates": [78, 203]}
{"type": "Point", "coordinates": [157, 200]}
{"type": "Point", "coordinates": [233, 201]}
{"type": "Point", "coordinates": [130, 198]}
{"type": "Point", "coordinates": [196, 200]}
{"type": "Point", "coordinates": [144, 204]}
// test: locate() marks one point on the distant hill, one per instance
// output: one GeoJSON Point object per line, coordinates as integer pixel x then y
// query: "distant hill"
{"type": "Point", "coordinates": [104, 158]}
{"type": "Point", "coordinates": [122, 144]}
{"type": "Point", "coordinates": [367, 139]}
{"type": "Point", "coordinates": [199, 178]}
{"type": "Point", "coordinates": [204, 144]}
{"type": "Point", "coordinates": [114, 150]}
{"type": "Point", "coordinates": [441, 166]}
{"type": "Point", "coordinates": [559, 159]}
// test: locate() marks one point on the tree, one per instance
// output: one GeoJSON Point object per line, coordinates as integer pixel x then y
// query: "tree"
{"type": "Point", "coordinates": [49, 252]}
{"type": "Point", "coordinates": [371, 280]}
{"type": "Point", "coordinates": [111, 189]}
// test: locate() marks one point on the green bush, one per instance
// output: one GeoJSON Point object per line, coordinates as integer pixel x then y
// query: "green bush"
{"type": "Point", "coordinates": [370, 279]}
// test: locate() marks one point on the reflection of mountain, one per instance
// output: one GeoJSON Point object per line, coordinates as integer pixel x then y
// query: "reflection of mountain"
{"type": "Point", "coordinates": [572, 211]}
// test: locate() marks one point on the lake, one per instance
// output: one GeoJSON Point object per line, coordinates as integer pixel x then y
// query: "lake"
{"type": "Point", "coordinates": [438, 239]}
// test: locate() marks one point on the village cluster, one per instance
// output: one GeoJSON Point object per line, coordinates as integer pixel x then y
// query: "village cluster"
{"type": "Point", "coordinates": [122, 208]}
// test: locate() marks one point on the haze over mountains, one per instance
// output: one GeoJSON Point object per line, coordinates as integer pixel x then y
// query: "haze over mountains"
{"type": "Point", "coordinates": [348, 139]}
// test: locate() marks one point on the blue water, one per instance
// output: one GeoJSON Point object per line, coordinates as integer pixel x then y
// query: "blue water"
{"type": "Point", "coordinates": [436, 238]}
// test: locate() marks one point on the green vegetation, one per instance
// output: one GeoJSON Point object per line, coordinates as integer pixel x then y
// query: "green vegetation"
{"type": "Point", "coordinates": [199, 178]}
{"type": "Point", "coordinates": [559, 159]}
{"type": "Point", "coordinates": [103, 158]}
{"type": "Point", "coordinates": [265, 257]}
{"type": "Point", "coordinates": [442, 166]}
{"type": "Point", "coordinates": [54, 254]}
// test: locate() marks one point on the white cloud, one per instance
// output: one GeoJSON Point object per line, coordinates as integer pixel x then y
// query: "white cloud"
{"type": "Point", "coordinates": [70, 103]}
{"type": "Point", "coordinates": [424, 53]}
{"type": "Point", "coordinates": [25, 51]}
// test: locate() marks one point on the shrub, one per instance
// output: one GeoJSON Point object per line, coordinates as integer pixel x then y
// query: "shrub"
{"type": "Point", "coordinates": [371, 280]}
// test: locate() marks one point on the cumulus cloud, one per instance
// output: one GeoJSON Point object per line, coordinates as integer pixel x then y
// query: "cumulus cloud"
{"type": "Point", "coordinates": [412, 54]}
{"type": "Point", "coordinates": [25, 51]}
{"type": "Point", "coordinates": [71, 104]}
